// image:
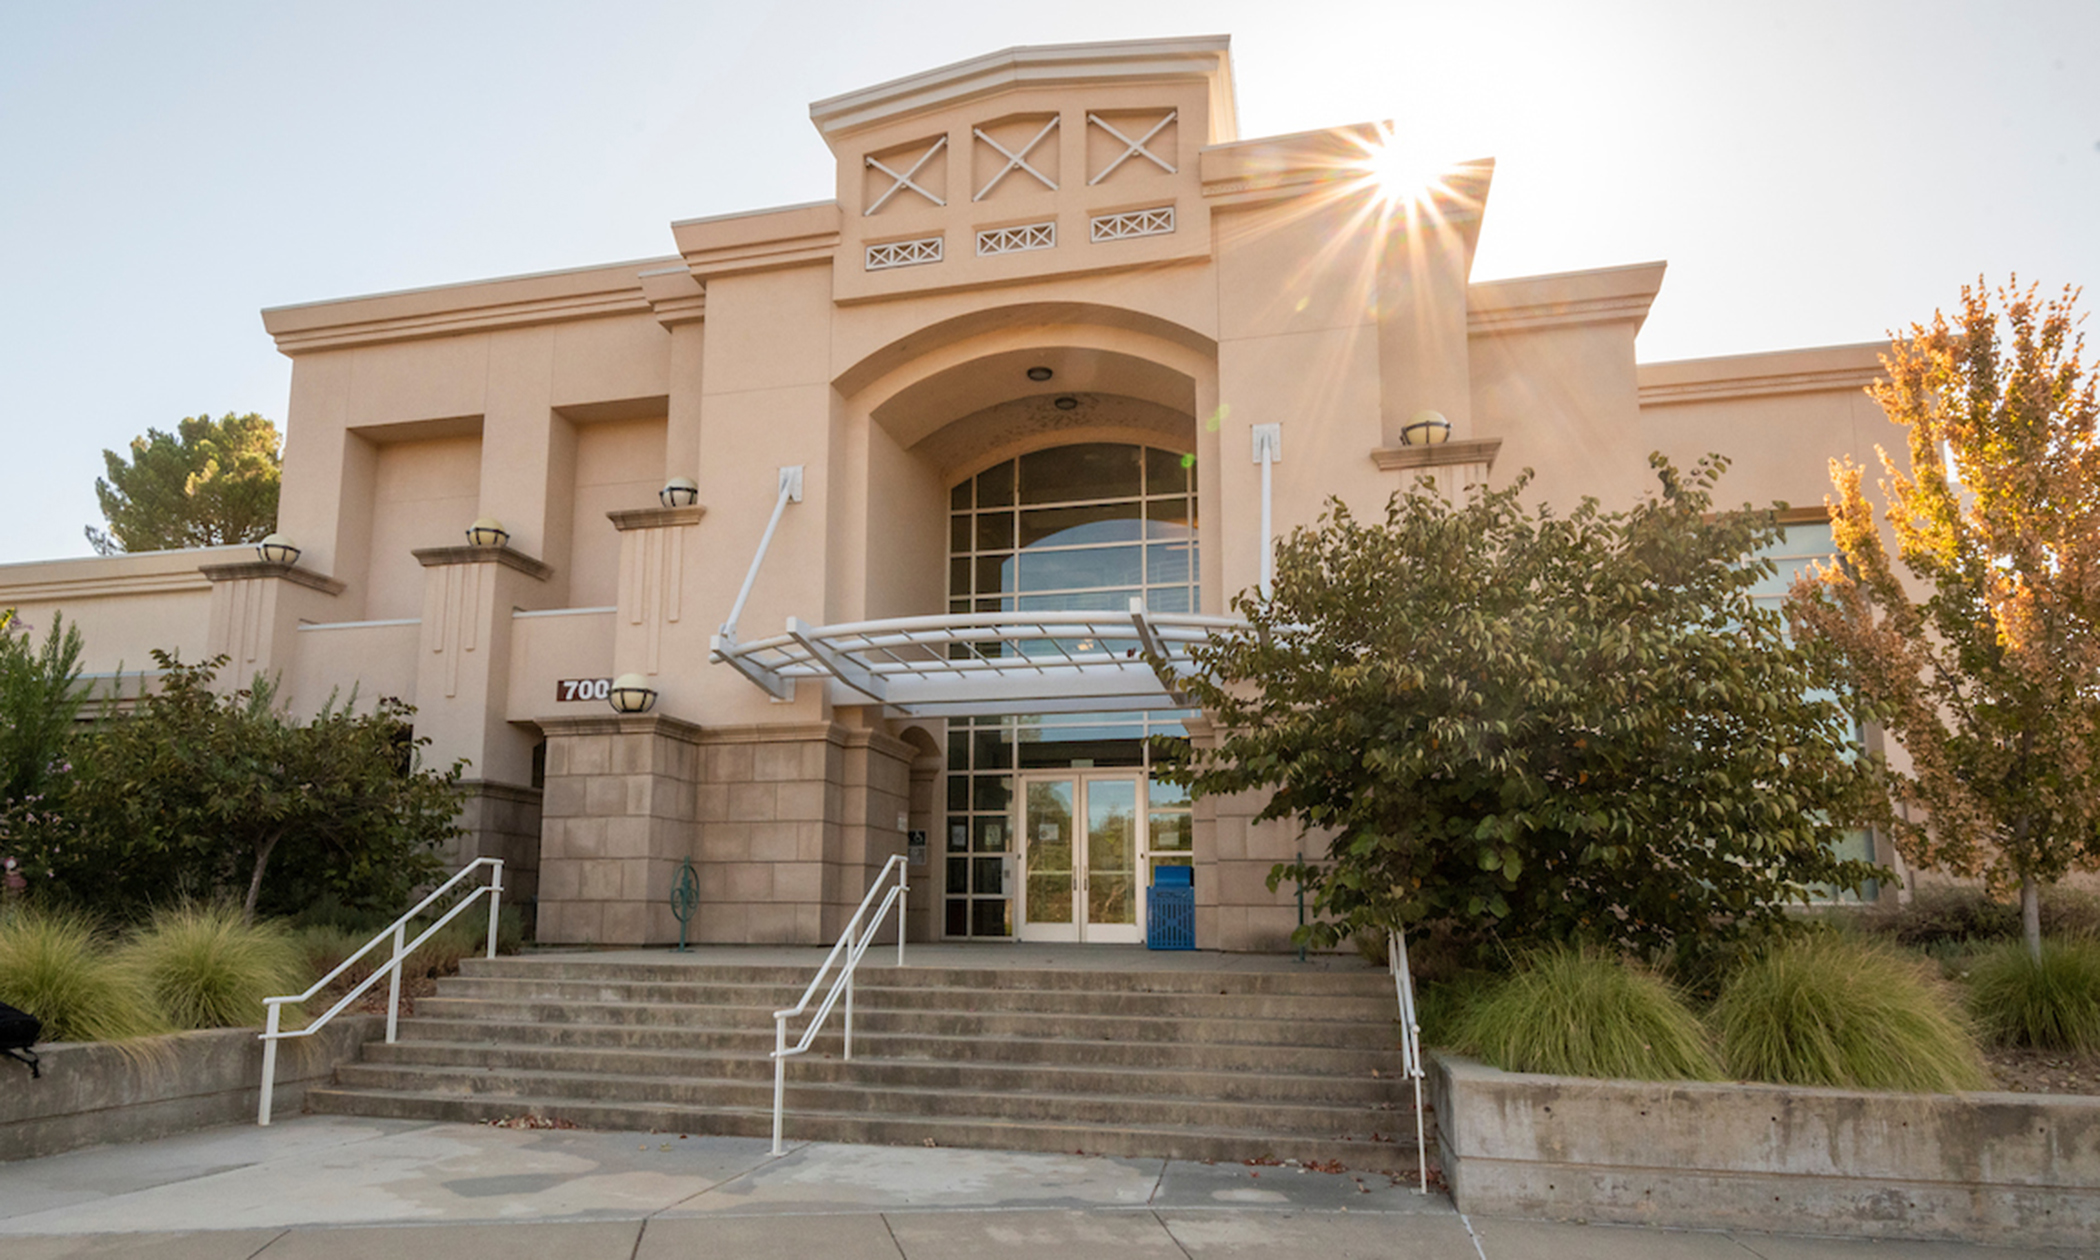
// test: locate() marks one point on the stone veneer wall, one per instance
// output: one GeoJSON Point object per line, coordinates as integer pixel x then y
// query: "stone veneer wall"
{"type": "Point", "coordinates": [1234, 908]}
{"type": "Point", "coordinates": [501, 820]}
{"type": "Point", "coordinates": [786, 824]}
{"type": "Point", "coordinates": [616, 820]}
{"type": "Point", "coordinates": [794, 821]}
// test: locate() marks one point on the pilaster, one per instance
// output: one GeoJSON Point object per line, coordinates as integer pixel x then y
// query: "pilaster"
{"type": "Point", "coordinates": [463, 667]}
{"type": "Point", "coordinates": [256, 608]}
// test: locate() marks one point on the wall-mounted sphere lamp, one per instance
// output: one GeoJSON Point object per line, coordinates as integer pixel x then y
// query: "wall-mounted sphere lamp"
{"type": "Point", "coordinates": [631, 693]}
{"type": "Point", "coordinates": [487, 532]}
{"type": "Point", "coordinates": [277, 549]}
{"type": "Point", "coordinates": [1426, 428]}
{"type": "Point", "coordinates": [679, 492]}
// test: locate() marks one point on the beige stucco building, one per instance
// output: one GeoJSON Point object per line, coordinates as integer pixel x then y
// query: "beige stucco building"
{"type": "Point", "coordinates": [1038, 352]}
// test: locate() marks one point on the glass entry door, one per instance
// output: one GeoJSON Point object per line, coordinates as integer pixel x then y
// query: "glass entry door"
{"type": "Point", "coordinates": [1082, 848]}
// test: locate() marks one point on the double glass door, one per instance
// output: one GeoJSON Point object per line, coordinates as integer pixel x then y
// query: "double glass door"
{"type": "Point", "coordinates": [1082, 851]}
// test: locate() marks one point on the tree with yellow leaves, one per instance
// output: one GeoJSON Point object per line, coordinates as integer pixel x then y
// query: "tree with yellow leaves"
{"type": "Point", "coordinates": [1985, 664]}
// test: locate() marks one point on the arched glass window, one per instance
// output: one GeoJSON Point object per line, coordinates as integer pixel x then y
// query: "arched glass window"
{"type": "Point", "coordinates": [1083, 528]}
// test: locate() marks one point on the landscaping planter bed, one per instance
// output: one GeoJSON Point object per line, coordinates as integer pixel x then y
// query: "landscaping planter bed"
{"type": "Point", "coordinates": [1983, 1167]}
{"type": "Point", "coordinates": [93, 1093]}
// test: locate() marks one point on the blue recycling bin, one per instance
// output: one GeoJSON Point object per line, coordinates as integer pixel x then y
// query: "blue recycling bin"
{"type": "Point", "coordinates": [1170, 910]}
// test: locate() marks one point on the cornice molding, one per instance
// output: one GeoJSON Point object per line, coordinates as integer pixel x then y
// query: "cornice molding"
{"type": "Point", "coordinates": [675, 294]}
{"type": "Point", "coordinates": [624, 519]}
{"type": "Point", "coordinates": [1607, 295]}
{"type": "Point", "coordinates": [471, 306]}
{"type": "Point", "coordinates": [761, 240]}
{"type": "Point", "coordinates": [433, 557]}
{"type": "Point", "coordinates": [1480, 451]}
{"type": "Point", "coordinates": [622, 724]}
{"type": "Point", "coordinates": [1668, 393]}
{"type": "Point", "coordinates": [1205, 57]}
{"type": "Point", "coordinates": [60, 590]}
{"type": "Point", "coordinates": [256, 569]}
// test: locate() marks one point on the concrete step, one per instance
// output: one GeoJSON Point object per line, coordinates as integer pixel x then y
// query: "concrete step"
{"type": "Point", "coordinates": [1183, 1056]}
{"type": "Point", "coordinates": [1375, 1008]}
{"type": "Point", "coordinates": [1388, 1152]}
{"type": "Point", "coordinates": [1364, 982]}
{"type": "Point", "coordinates": [929, 1022]}
{"type": "Point", "coordinates": [1300, 1119]}
{"type": "Point", "coordinates": [971, 1075]}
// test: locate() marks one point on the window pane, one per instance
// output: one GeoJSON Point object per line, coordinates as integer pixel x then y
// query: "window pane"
{"type": "Point", "coordinates": [1170, 829]}
{"type": "Point", "coordinates": [995, 573]}
{"type": "Point", "coordinates": [995, 486]}
{"type": "Point", "coordinates": [959, 576]}
{"type": "Point", "coordinates": [958, 534]}
{"type": "Point", "coordinates": [959, 750]}
{"type": "Point", "coordinates": [1095, 566]}
{"type": "Point", "coordinates": [991, 793]}
{"type": "Point", "coordinates": [958, 875]}
{"type": "Point", "coordinates": [1167, 564]}
{"type": "Point", "coordinates": [993, 749]}
{"type": "Point", "coordinates": [958, 917]}
{"type": "Point", "coordinates": [1094, 471]}
{"type": "Point", "coordinates": [991, 918]}
{"type": "Point", "coordinates": [992, 836]}
{"type": "Point", "coordinates": [989, 874]}
{"type": "Point", "coordinates": [995, 531]}
{"type": "Point", "coordinates": [959, 498]}
{"type": "Point", "coordinates": [1167, 472]}
{"type": "Point", "coordinates": [1075, 526]}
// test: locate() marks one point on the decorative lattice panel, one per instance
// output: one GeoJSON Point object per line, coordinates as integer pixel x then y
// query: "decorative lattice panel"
{"type": "Point", "coordinates": [1015, 240]}
{"type": "Point", "coordinates": [927, 249]}
{"type": "Point", "coordinates": [1158, 221]}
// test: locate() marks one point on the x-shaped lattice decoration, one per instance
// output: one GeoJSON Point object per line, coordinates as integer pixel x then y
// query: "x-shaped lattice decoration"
{"type": "Point", "coordinates": [1015, 161]}
{"type": "Point", "coordinates": [905, 180]}
{"type": "Point", "coordinates": [1133, 148]}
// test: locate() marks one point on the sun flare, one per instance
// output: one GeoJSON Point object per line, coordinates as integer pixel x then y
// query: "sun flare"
{"type": "Point", "coordinates": [1400, 170]}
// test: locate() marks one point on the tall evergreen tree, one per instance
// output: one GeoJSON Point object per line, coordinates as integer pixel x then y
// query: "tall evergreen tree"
{"type": "Point", "coordinates": [209, 483]}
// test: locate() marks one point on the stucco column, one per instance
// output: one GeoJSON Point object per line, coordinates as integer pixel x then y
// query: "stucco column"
{"type": "Point", "coordinates": [656, 620]}
{"type": "Point", "coordinates": [616, 821]}
{"type": "Point", "coordinates": [463, 666]}
{"type": "Point", "coordinates": [256, 608]}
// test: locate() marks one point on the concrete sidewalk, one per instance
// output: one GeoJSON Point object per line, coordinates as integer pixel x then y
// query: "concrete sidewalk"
{"type": "Point", "coordinates": [323, 1186]}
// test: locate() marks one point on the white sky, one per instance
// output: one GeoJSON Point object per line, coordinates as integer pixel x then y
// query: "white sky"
{"type": "Point", "coordinates": [1814, 172]}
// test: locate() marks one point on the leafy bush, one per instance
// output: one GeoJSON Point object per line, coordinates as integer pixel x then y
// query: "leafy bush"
{"type": "Point", "coordinates": [2053, 1004]}
{"type": "Point", "coordinates": [1943, 913]}
{"type": "Point", "coordinates": [1574, 727]}
{"type": "Point", "coordinates": [205, 968]}
{"type": "Point", "coordinates": [52, 966]}
{"type": "Point", "coordinates": [1824, 1009]}
{"type": "Point", "coordinates": [1583, 1013]}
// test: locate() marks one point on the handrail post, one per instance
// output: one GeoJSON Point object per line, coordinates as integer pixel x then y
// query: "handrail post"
{"type": "Point", "coordinates": [780, 1048]}
{"type": "Point", "coordinates": [393, 988]}
{"type": "Point", "coordinates": [495, 903]}
{"type": "Point", "coordinates": [903, 891]}
{"type": "Point", "coordinates": [269, 1081]}
{"type": "Point", "coordinates": [849, 1014]}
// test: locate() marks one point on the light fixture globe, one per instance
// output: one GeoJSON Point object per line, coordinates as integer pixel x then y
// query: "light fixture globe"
{"type": "Point", "coordinates": [631, 693]}
{"type": "Point", "coordinates": [487, 531]}
{"type": "Point", "coordinates": [679, 492]}
{"type": "Point", "coordinates": [277, 549]}
{"type": "Point", "coordinates": [1426, 428]}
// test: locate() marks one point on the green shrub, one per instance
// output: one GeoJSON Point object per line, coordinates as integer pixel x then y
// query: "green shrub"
{"type": "Point", "coordinates": [1942, 914]}
{"type": "Point", "coordinates": [1573, 1013]}
{"type": "Point", "coordinates": [207, 969]}
{"type": "Point", "coordinates": [2053, 1004]}
{"type": "Point", "coordinates": [1825, 1009]}
{"type": "Point", "coordinates": [53, 966]}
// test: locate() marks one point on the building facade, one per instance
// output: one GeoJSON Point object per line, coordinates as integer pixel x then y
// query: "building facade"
{"type": "Point", "coordinates": [878, 495]}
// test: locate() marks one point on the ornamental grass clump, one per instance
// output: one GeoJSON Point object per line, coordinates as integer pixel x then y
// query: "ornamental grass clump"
{"type": "Point", "coordinates": [1823, 1009]}
{"type": "Point", "coordinates": [1580, 1013]}
{"type": "Point", "coordinates": [2050, 1004]}
{"type": "Point", "coordinates": [53, 966]}
{"type": "Point", "coordinates": [208, 969]}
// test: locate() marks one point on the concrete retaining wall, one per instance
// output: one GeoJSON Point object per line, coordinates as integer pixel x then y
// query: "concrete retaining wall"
{"type": "Point", "coordinates": [95, 1093]}
{"type": "Point", "coordinates": [1995, 1168]}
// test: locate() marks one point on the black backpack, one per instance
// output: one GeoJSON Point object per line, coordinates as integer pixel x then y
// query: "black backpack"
{"type": "Point", "coordinates": [19, 1030]}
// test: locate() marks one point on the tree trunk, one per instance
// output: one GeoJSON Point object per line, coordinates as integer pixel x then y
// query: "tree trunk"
{"type": "Point", "coordinates": [262, 859]}
{"type": "Point", "coordinates": [2031, 916]}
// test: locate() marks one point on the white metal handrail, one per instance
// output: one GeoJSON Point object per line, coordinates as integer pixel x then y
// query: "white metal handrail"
{"type": "Point", "coordinates": [1410, 1042]}
{"type": "Point", "coordinates": [853, 942]}
{"type": "Point", "coordinates": [391, 969]}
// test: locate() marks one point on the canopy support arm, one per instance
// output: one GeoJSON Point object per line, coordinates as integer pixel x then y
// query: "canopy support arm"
{"type": "Point", "coordinates": [1268, 452]}
{"type": "Point", "coordinates": [790, 492]}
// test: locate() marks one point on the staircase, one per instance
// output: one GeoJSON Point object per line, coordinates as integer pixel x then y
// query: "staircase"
{"type": "Point", "coordinates": [1176, 1064]}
